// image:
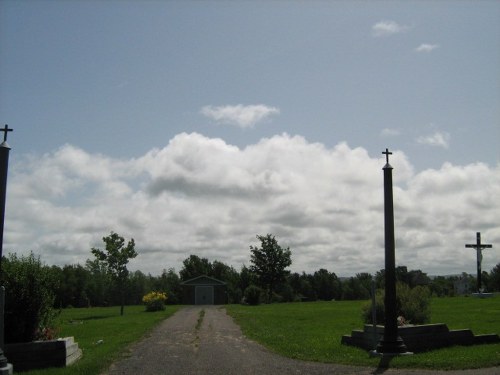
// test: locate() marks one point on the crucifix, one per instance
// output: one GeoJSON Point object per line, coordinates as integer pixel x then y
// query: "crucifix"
{"type": "Point", "coordinates": [5, 130]}
{"type": "Point", "coordinates": [479, 247]}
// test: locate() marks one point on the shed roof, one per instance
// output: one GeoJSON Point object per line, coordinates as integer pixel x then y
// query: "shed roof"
{"type": "Point", "coordinates": [203, 280]}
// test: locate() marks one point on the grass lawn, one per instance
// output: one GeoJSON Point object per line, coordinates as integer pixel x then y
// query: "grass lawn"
{"type": "Point", "coordinates": [90, 326]}
{"type": "Point", "coordinates": [312, 331]}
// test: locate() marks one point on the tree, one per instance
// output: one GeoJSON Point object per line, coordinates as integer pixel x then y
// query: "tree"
{"type": "Point", "coordinates": [30, 285]}
{"type": "Point", "coordinates": [195, 266]}
{"type": "Point", "coordinates": [72, 289]}
{"type": "Point", "coordinates": [169, 283]}
{"type": "Point", "coordinates": [494, 279]}
{"type": "Point", "coordinates": [116, 257]}
{"type": "Point", "coordinates": [326, 285]}
{"type": "Point", "coordinates": [98, 289]}
{"type": "Point", "coordinates": [269, 263]}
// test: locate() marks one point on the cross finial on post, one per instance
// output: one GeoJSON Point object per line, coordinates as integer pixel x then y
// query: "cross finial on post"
{"type": "Point", "coordinates": [5, 130]}
{"type": "Point", "coordinates": [387, 153]}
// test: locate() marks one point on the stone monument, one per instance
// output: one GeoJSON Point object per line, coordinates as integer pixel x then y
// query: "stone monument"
{"type": "Point", "coordinates": [391, 343]}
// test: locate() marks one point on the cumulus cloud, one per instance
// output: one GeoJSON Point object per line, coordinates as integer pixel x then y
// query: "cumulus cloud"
{"type": "Point", "coordinates": [200, 195]}
{"type": "Point", "coordinates": [243, 116]}
{"type": "Point", "coordinates": [426, 48]}
{"type": "Point", "coordinates": [387, 28]}
{"type": "Point", "coordinates": [438, 139]}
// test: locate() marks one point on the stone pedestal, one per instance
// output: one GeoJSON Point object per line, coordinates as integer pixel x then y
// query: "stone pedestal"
{"type": "Point", "coordinates": [420, 338]}
{"type": "Point", "coordinates": [43, 354]}
{"type": "Point", "coordinates": [7, 370]}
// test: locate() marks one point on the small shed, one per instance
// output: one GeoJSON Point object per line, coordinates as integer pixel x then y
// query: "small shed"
{"type": "Point", "coordinates": [204, 290]}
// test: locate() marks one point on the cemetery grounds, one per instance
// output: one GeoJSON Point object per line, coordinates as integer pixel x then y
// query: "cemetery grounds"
{"type": "Point", "coordinates": [305, 331]}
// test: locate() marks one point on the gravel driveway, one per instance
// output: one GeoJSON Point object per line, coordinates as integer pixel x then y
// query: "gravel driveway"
{"type": "Point", "coordinates": [189, 344]}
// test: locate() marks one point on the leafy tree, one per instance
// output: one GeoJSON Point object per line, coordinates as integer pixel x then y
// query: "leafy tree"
{"type": "Point", "coordinates": [253, 295]}
{"type": "Point", "coordinates": [412, 304]}
{"type": "Point", "coordinates": [73, 284]}
{"type": "Point", "coordinates": [269, 263]}
{"type": "Point", "coordinates": [231, 277]}
{"type": "Point", "coordinates": [246, 279]}
{"type": "Point", "coordinates": [494, 279]}
{"type": "Point", "coordinates": [306, 287]}
{"type": "Point", "coordinates": [326, 285]}
{"type": "Point", "coordinates": [170, 283]}
{"type": "Point", "coordinates": [29, 298]}
{"type": "Point", "coordinates": [354, 289]}
{"type": "Point", "coordinates": [139, 285]}
{"type": "Point", "coordinates": [116, 257]}
{"type": "Point", "coordinates": [98, 288]}
{"type": "Point", "coordinates": [195, 266]}
{"type": "Point", "coordinates": [418, 278]}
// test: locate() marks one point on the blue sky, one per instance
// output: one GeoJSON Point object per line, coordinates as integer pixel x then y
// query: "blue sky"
{"type": "Point", "coordinates": [110, 98]}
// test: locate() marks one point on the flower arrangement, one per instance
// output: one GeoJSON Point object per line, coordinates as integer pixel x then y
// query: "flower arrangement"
{"type": "Point", "coordinates": [155, 301]}
{"type": "Point", "coordinates": [45, 334]}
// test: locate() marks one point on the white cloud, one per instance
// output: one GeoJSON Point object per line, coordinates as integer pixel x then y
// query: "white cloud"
{"type": "Point", "coordinates": [200, 195]}
{"type": "Point", "coordinates": [426, 48]}
{"type": "Point", "coordinates": [239, 115]}
{"type": "Point", "coordinates": [389, 132]}
{"type": "Point", "coordinates": [387, 28]}
{"type": "Point", "coordinates": [438, 139]}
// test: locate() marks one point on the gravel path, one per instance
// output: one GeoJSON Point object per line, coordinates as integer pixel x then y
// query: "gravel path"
{"type": "Point", "coordinates": [186, 344]}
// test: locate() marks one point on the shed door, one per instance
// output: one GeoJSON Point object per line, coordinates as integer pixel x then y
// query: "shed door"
{"type": "Point", "coordinates": [204, 295]}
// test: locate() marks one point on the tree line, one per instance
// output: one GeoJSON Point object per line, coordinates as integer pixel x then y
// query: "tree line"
{"type": "Point", "coordinates": [35, 291]}
{"type": "Point", "coordinates": [93, 284]}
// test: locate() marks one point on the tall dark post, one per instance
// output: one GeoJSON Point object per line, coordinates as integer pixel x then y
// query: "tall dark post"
{"type": "Point", "coordinates": [391, 343]}
{"type": "Point", "coordinates": [5, 367]}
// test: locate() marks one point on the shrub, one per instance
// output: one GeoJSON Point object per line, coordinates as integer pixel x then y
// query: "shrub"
{"type": "Point", "coordinates": [29, 298]}
{"type": "Point", "coordinates": [412, 305]}
{"type": "Point", "coordinates": [253, 295]}
{"type": "Point", "coordinates": [155, 301]}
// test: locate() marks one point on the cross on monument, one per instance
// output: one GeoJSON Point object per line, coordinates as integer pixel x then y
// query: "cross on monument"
{"type": "Point", "coordinates": [5, 130]}
{"type": "Point", "coordinates": [387, 153]}
{"type": "Point", "coordinates": [479, 248]}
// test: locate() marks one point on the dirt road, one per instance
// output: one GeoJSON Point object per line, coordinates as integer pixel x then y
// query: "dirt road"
{"type": "Point", "coordinates": [205, 340]}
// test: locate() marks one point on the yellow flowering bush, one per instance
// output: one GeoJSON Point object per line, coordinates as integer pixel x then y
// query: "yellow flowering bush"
{"type": "Point", "coordinates": [155, 301]}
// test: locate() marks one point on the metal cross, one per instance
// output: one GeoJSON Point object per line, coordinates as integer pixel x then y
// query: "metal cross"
{"type": "Point", "coordinates": [5, 130]}
{"type": "Point", "coordinates": [479, 247]}
{"type": "Point", "coordinates": [387, 153]}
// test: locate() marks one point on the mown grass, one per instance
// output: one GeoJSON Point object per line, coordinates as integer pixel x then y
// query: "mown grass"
{"type": "Point", "coordinates": [312, 331]}
{"type": "Point", "coordinates": [103, 334]}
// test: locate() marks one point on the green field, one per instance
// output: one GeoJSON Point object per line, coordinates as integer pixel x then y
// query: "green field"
{"type": "Point", "coordinates": [312, 331]}
{"type": "Point", "coordinates": [307, 331]}
{"type": "Point", "coordinates": [103, 334]}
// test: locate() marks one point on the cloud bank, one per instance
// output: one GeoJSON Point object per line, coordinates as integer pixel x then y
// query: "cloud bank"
{"type": "Point", "coordinates": [200, 195]}
{"type": "Point", "coordinates": [239, 115]}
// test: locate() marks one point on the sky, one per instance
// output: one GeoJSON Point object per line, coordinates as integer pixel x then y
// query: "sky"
{"type": "Point", "coordinates": [194, 126]}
